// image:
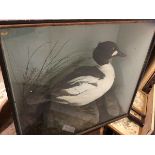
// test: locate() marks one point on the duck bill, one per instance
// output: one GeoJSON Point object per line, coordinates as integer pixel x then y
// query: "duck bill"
{"type": "Point", "coordinates": [121, 54]}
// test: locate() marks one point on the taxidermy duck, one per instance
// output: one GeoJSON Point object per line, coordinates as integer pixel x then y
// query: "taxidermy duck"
{"type": "Point", "coordinates": [88, 83]}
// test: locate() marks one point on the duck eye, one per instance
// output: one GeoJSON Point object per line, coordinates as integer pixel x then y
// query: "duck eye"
{"type": "Point", "coordinates": [115, 53]}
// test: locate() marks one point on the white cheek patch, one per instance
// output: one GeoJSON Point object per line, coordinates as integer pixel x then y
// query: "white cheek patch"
{"type": "Point", "coordinates": [115, 53]}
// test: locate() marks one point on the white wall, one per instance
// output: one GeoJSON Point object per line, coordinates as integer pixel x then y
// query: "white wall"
{"type": "Point", "coordinates": [134, 40]}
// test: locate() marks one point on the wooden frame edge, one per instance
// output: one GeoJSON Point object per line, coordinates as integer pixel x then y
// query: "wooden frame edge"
{"type": "Point", "coordinates": [68, 22]}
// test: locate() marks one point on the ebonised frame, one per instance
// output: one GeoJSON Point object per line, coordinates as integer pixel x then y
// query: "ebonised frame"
{"type": "Point", "coordinates": [44, 23]}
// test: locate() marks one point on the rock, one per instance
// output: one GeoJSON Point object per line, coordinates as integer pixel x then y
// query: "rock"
{"type": "Point", "coordinates": [66, 119]}
{"type": "Point", "coordinates": [111, 104]}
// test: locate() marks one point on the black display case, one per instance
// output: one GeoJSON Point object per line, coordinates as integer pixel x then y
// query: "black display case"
{"type": "Point", "coordinates": [72, 76]}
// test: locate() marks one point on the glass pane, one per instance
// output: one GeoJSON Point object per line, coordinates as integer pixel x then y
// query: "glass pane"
{"type": "Point", "coordinates": [66, 79]}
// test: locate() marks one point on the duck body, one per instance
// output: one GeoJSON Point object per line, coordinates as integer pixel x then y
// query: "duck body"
{"type": "Point", "coordinates": [84, 85]}
{"type": "Point", "coordinates": [88, 83]}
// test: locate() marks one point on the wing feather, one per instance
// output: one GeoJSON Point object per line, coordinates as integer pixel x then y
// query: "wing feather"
{"type": "Point", "coordinates": [80, 85]}
{"type": "Point", "coordinates": [77, 82]}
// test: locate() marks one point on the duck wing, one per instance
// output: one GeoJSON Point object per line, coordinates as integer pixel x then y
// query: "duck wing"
{"type": "Point", "coordinates": [77, 82]}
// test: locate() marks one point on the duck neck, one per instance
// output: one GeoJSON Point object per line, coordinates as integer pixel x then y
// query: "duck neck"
{"type": "Point", "coordinates": [106, 68]}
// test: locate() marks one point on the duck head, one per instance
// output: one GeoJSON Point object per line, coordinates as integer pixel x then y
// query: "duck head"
{"type": "Point", "coordinates": [105, 51]}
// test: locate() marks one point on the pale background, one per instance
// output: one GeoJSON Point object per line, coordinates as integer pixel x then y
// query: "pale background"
{"type": "Point", "coordinates": [132, 39]}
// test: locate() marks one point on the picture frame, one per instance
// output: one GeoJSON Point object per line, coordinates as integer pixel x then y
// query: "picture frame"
{"type": "Point", "coordinates": [83, 35]}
